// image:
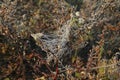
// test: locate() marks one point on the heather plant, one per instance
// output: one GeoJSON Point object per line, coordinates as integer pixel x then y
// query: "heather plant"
{"type": "Point", "coordinates": [59, 39]}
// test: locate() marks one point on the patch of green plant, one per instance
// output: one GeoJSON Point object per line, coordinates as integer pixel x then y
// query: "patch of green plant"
{"type": "Point", "coordinates": [74, 21]}
{"type": "Point", "coordinates": [78, 75]}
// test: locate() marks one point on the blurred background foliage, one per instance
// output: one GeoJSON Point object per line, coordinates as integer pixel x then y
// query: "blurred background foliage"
{"type": "Point", "coordinates": [22, 59]}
